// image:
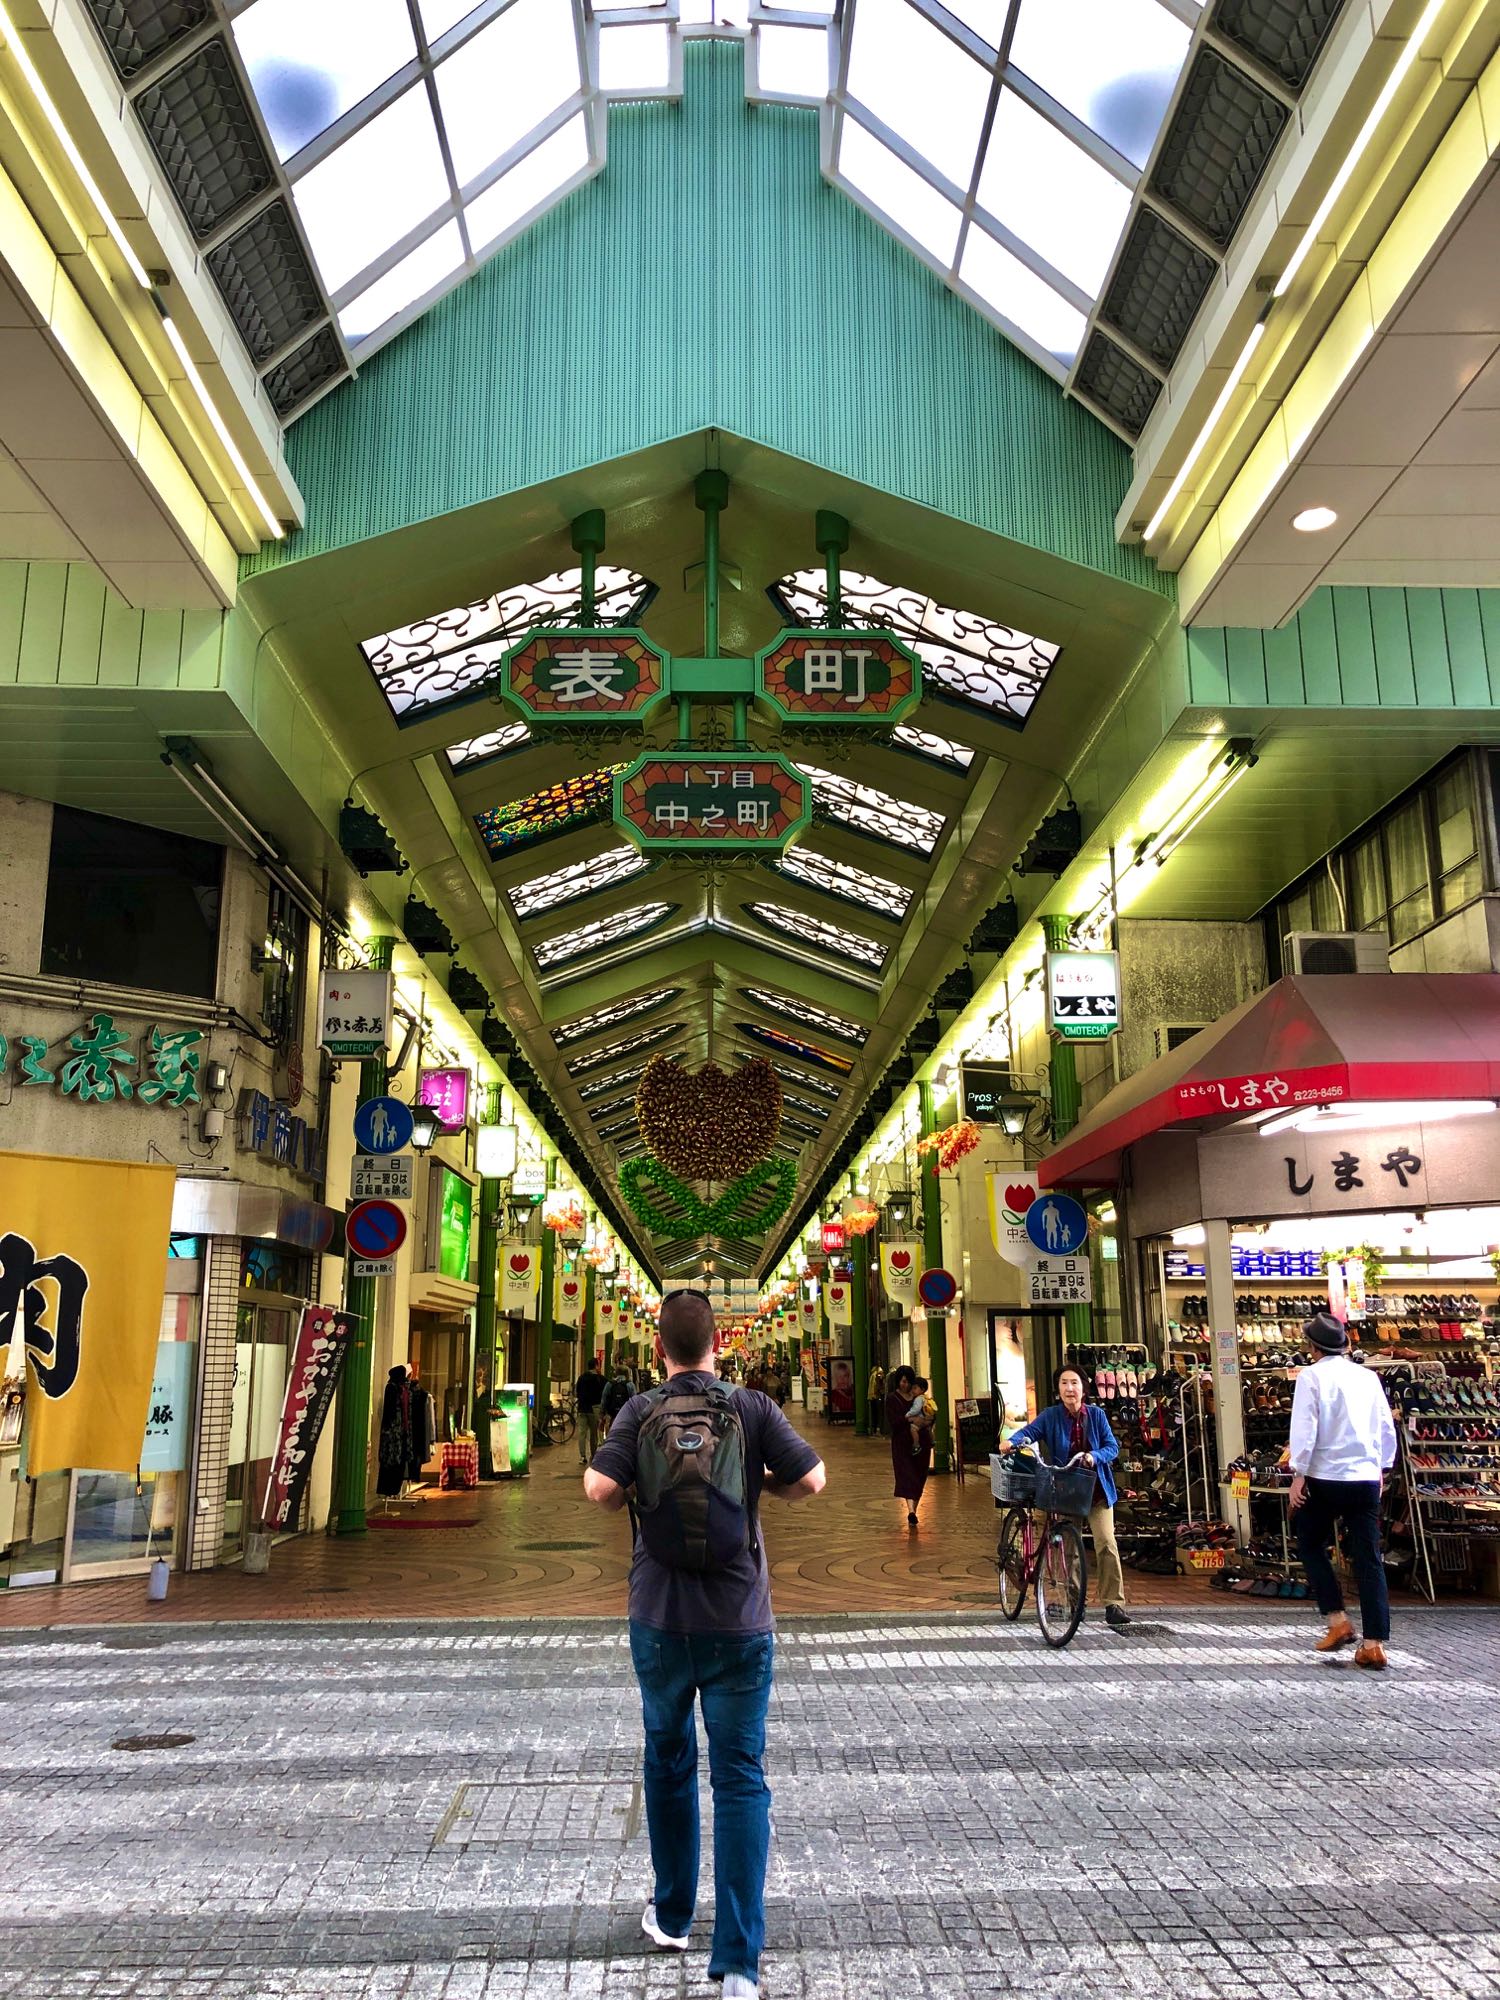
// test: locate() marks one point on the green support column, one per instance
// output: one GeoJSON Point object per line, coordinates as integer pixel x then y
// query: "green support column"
{"type": "Point", "coordinates": [544, 1323]}
{"type": "Point", "coordinates": [860, 1313]}
{"type": "Point", "coordinates": [588, 542]}
{"type": "Point", "coordinates": [1066, 1099]}
{"type": "Point", "coordinates": [486, 1361]}
{"type": "Point", "coordinates": [932, 1257]}
{"type": "Point", "coordinates": [351, 1437]}
{"type": "Point", "coordinates": [590, 1340]}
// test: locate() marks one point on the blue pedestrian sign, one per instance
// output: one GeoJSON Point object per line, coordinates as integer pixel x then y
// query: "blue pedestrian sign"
{"type": "Point", "coordinates": [1057, 1225]}
{"type": "Point", "coordinates": [383, 1125]}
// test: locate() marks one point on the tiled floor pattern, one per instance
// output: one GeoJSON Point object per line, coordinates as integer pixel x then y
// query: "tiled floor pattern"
{"type": "Point", "coordinates": [1197, 1808]}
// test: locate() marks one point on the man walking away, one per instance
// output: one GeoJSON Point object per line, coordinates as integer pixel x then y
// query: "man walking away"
{"type": "Point", "coordinates": [589, 1395]}
{"type": "Point", "coordinates": [617, 1393]}
{"type": "Point", "coordinates": [700, 1456]}
{"type": "Point", "coordinates": [1343, 1443]}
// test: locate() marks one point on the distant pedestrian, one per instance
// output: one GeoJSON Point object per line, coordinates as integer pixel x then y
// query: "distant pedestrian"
{"type": "Point", "coordinates": [589, 1394]}
{"type": "Point", "coordinates": [700, 1456]}
{"type": "Point", "coordinates": [911, 1442]}
{"type": "Point", "coordinates": [773, 1385]}
{"type": "Point", "coordinates": [1343, 1443]}
{"type": "Point", "coordinates": [617, 1393]}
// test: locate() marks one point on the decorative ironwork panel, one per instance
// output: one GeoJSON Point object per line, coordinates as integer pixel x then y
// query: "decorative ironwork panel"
{"type": "Point", "coordinates": [803, 1131]}
{"type": "Point", "coordinates": [820, 936]}
{"type": "Point", "coordinates": [849, 884]}
{"type": "Point", "coordinates": [806, 1106]}
{"type": "Point", "coordinates": [581, 878]}
{"type": "Point", "coordinates": [807, 1013]}
{"type": "Point", "coordinates": [926, 743]}
{"type": "Point", "coordinates": [803, 1081]}
{"type": "Point", "coordinates": [808, 1052]}
{"type": "Point", "coordinates": [563, 949]}
{"type": "Point", "coordinates": [493, 743]}
{"type": "Point", "coordinates": [451, 655]}
{"type": "Point", "coordinates": [603, 1085]}
{"type": "Point", "coordinates": [631, 1045]}
{"type": "Point", "coordinates": [573, 802]}
{"type": "Point", "coordinates": [970, 658]}
{"type": "Point", "coordinates": [613, 1017]}
{"type": "Point", "coordinates": [898, 822]}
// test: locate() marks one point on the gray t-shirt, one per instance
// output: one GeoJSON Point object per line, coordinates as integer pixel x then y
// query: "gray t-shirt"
{"type": "Point", "coordinates": [736, 1598]}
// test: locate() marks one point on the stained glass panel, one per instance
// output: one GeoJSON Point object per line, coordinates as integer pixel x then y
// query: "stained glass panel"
{"type": "Point", "coordinates": [899, 822]}
{"type": "Point", "coordinates": [808, 1052]}
{"type": "Point", "coordinates": [450, 656]}
{"type": "Point", "coordinates": [964, 657]}
{"type": "Point", "coordinates": [629, 1045]}
{"type": "Point", "coordinates": [493, 743]}
{"type": "Point", "coordinates": [573, 802]}
{"type": "Point", "coordinates": [809, 1015]}
{"type": "Point", "coordinates": [594, 937]}
{"type": "Point", "coordinates": [581, 878]}
{"type": "Point", "coordinates": [851, 885]}
{"type": "Point", "coordinates": [822, 937]}
{"type": "Point", "coordinates": [612, 1017]}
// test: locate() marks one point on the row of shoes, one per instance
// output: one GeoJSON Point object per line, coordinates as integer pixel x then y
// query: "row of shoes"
{"type": "Point", "coordinates": [1452, 1430]}
{"type": "Point", "coordinates": [1451, 1397]}
{"type": "Point", "coordinates": [1425, 1459]}
{"type": "Point", "coordinates": [1240, 1585]}
{"type": "Point", "coordinates": [1205, 1535]}
{"type": "Point", "coordinates": [1423, 1306]}
{"type": "Point", "coordinates": [1264, 1467]}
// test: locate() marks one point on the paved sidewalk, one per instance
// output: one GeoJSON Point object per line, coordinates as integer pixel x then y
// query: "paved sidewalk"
{"type": "Point", "coordinates": [1198, 1808]}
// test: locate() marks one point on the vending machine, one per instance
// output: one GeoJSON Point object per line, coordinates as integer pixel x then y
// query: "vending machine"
{"type": "Point", "coordinates": [510, 1429]}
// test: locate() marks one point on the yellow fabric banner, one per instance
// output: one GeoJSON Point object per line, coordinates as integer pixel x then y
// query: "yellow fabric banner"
{"type": "Point", "coordinates": [83, 1257]}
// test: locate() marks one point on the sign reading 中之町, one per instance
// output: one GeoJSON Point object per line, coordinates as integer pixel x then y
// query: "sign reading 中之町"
{"type": "Point", "coordinates": [838, 676]}
{"type": "Point", "coordinates": [354, 1012]}
{"type": "Point", "coordinates": [102, 1064]}
{"type": "Point", "coordinates": [615, 675]}
{"type": "Point", "coordinates": [1083, 995]}
{"type": "Point", "coordinates": [681, 800]}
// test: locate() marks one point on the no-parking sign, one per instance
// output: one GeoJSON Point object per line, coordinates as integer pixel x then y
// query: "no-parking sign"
{"type": "Point", "coordinates": [375, 1229]}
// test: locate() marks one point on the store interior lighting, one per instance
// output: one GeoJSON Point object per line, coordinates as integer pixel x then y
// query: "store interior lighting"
{"type": "Point", "coordinates": [1360, 1117]}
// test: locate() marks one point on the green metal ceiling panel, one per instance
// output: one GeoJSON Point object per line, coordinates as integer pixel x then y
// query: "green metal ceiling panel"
{"type": "Point", "coordinates": [710, 278]}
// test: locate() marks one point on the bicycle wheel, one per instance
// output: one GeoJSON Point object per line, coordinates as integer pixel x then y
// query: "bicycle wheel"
{"type": "Point", "coordinates": [1013, 1559]}
{"type": "Point", "coordinates": [561, 1424]}
{"type": "Point", "coordinates": [1062, 1581]}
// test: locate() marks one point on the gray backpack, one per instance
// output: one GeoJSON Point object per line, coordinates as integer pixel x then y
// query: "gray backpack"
{"type": "Point", "coordinates": [691, 1494]}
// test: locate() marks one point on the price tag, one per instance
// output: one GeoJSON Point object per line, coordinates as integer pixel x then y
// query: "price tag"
{"type": "Point", "coordinates": [1207, 1559]}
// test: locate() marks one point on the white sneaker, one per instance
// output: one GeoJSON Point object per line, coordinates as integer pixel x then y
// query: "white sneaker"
{"type": "Point", "coordinates": [739, 1986]}
{"type": "Point", "coordinates": [663, 1940]}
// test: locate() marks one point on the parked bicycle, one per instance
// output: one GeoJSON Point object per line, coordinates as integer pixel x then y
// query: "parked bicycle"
{"type": "Point", "coordinates": [1046, 1558]}
{"type": "Point", "coordinates": [562, 1417]}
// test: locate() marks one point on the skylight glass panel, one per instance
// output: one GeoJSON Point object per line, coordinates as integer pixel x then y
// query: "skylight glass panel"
{"type": "Point", "coordinates": [807, 1013]}
{"type": "Point", "coordinates": [568, 945]}
{"type": "Point", "coordinates": [613, 1052]}
{"type": "Point", "coordinates": [493, 743]}
{"type": "Point", "coordinates": [635, 58]}
{"type": "Point", "coordinates": [565, 885]}
{"type": "Point", "coordinates": [310, 64]}
{"type": "Point", "coordinates": [897, 821]}
{"type": "Point", "coordinates": [812, 931]}
{"type": "Point", "coordinates": [985, 17]}
{"type": "Point", "coordinates": [1113, 63]}
{"type": "Point", "coordinates": [807, 1052]}
{"type": "Point", "coordinates": [1047, 190]}
{"type": "Point", "coordinates": [425, 269]}
{"type": "Point", "coordinates": [838, 878]}
{"type": "Point", "coordinates": [379, 184]}
{"type": "Point", "coordinates": [926, 743]}
{"type": "Point", "coordinates": [792, 62]}
{"type": "Point", "coordinates": [612, 1017]}
{"type": "Point", "coordinates": [921, 84]}
{"type": "Point", "coordinates": [899, 193]}
{"type": "Point", "coordinates": [605, 1086]}
{"type": "Point", "coordinates": [504, 81]}
{"type": "Point", "coordinates": [530, 182]}
{"type": "Point", "coordinates": [438, 16]}
{"type": "Point", "coordinates": [1019, 295]}
{"type": "Point", "coordinates": [799, 1077]}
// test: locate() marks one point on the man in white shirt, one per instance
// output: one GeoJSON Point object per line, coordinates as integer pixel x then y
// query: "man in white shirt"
{"type": "Point", "coordinates": [1343, 1442]}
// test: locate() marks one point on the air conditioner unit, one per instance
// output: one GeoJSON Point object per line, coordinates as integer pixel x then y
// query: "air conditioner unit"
{"type": "Point", "coordinates": [1172, 1034]}
{"type": "Point", "coordinates": [1335, 951]}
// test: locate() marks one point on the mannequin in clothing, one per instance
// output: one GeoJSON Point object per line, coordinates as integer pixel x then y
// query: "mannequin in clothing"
{"type": "Point", "coordinates": [395, 1434]}
{"type": "Point", "coordinates": [423, 1426]}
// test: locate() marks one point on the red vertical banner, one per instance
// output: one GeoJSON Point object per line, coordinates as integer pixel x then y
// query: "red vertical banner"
{"type": "Point", "coordinates": [317, 1359]}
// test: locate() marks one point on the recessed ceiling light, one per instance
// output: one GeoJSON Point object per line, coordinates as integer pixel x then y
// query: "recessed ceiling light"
{"type": "Point", "coordinates": [1312, 519]}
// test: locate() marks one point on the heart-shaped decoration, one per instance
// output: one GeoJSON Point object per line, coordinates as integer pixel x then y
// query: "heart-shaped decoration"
{"type": "Point", "coordinates": [670, 1207]}
{"type": "Point", "coordinates": [708, 1126]}
{"type": "Point", "coordinates": [901, 1260]}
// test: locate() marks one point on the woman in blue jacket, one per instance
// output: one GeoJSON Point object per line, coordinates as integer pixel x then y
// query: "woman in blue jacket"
{"type": "Point", "coordinates": [1067, 1427]}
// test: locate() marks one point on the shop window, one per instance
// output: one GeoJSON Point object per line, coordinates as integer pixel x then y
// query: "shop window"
{"type": "Point", "coordinates": [272, 1267]}
{"type": "Point", "coordinates": [283, 968]}
{"type": "Point", "coordinates": [1410, 872]}
{"type": "Point", "coordinates": [130, 905]}
{"type": "Point", "coordinates": [1364, 878]}
{"type": "Point", "coordinates": [1456, 831]}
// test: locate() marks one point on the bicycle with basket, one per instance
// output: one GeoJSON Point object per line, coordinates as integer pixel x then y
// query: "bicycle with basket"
{"type": "Point", "coordinates": [1048, 1559]}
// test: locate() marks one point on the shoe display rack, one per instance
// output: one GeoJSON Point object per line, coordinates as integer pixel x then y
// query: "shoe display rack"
{"type": "Point", "coordinates": [1448, 1423]}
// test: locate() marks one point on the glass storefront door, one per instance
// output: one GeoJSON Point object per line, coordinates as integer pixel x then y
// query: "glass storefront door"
{"type": "Point", "coordinates": [264, 1335]}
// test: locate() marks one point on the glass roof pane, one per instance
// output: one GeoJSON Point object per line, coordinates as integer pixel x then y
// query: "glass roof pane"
{"type": "Point", "coordinates": [565, 885]}
{"type": "Point", "coordinates": [438, 16]}
{"type": "Point", "coordinates": [893, 48]}
{"type": "Point", "coordinates": [505, 81]}
{"type": "Point", "coordinates": [1016, 292]}
{"type": "Point", "coordinates": [529, 182]}
{"type": "Point", "coordinates": [379, 184]}
{"type": "Point", "coordinates": [493, 743]}
{"type": "Point", "coordinates": [822, 937]}
{"type": "Point", "coordinates": [849, 884]}
{"type": "Point", "coordinates": [635, 58]}
{"type": "Point", "coordinates": [594, 937]}
{"type": "Point", "coordinates": [1113, 63]}
{"type": "Point", "coordinates": [900, 194]}
{"type": "Point", "coordinates": [574, 802]}
{"type": "Point", "coordinates": [793, 62]}
{"type": "Point", "coordinates": [312, 60]}
{"type": "Point", "coordinates": [585, 1025]}
{"type": "Point", "coordinates": [897, 821]}
{"type": "Point", "coordinates": [1051, 194]}
{"type": "Point", "coordinates": [427, 266]}
{"type": "Point", "coordinates": [985, 17]}
{"type": "Point", "coordinates": [926, 743]}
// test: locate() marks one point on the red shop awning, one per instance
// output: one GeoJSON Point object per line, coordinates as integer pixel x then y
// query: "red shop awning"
{"type": "Point", "coordinates": [1315, 1039]}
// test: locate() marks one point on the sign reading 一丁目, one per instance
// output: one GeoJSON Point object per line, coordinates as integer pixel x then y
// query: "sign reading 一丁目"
{"type": "Point", "coordinates": [681, 800]}
{"type": "Point", "coordinates": [838, 676]}
{"type": "Point", "coordinates": [1083, 995]}
{"type": "Point", "coordinates": [615, 675]}
{"type": "Point", "coordinates": [354, 1012]}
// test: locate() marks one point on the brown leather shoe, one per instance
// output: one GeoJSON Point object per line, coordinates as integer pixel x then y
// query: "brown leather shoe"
{"type": "Point", "coordinates": [1336, 1637]}
{"type": "Point", "coordinates": [1371, 1654]}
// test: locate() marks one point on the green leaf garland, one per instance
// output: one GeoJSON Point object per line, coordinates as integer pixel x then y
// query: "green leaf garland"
{"type": "Point", "coordinates": [749, 1206]}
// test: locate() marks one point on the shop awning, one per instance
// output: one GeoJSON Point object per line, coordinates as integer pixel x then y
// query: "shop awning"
{"type": "Point", "coordinates": [1318, 1039]}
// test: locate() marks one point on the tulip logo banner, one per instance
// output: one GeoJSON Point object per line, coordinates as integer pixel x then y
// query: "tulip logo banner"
{"type": "Point", "coordinates": [520, 1276]}
{"type": "Point", "coordinates": [898, 1273]}
{"type": "Point", "coordinates": [567, 1303]}
{"type": "Point", "coordinates": [839, 1301]}
{"type": "Point", "coordinates": [83, 1256]}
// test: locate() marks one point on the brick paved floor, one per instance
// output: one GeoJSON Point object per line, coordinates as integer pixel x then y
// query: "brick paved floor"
{"type": "Point", "coordinates": [1197, 1808]}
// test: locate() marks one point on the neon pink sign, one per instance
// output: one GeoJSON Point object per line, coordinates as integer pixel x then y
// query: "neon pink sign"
{"type": "Point", "coordinates": [446, 1091]}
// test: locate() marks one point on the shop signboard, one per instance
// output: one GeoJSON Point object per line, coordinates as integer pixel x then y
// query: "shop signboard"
{"type": "Point", "coordinates": [835, 1238]}
{"type": "Point", "coordinates": [102, 1064]}
{"type": "Point", "coordinates": [585, 675]}
{"type": "Point", "coordinates": [164, 1448]}
{"type": "Point", "coordinates": [354, 1013]}
{"type": "Point", "coordinates": [1264, 1091]}
{"type": "Point", "coordinates": [1306, 1265]}
{"type": "Point", "coordinates": [1083, 995]}
{"type": "Point", "coordinates": [381, 1177]}
{"type": "Point", "coordinates": [455, 1225]}
{"type": "Point", "coordinates": [495, 1152]}
{"type": "Point", "coordinates": [446, 1091]}
{"type": "Point", "coordinates": [1062, 1281]}
{"type": "Point", "coordinates": [1400, 1165]}
{"type": "Point", "coordinates": [1009, 1202]}
{"type": "Point", "coordinates": [982, 1087]}
{"type": "Point", "coordinates": [898, 1274]}
{"type": "Point", "coordinates": [529, 1181]}
{"type": "Point", "coordinates": [686, 801]}
{"type": "Point", "coordinates": [268, 1129]}
{"type": "Point", "coordinates": [323, 1338]}
{"type": "Point", "coordinates": [838, 676]}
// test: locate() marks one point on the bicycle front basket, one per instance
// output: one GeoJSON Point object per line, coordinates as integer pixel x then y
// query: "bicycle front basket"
{"type": "Point", "coordinates": [1013, 1478]}
{"type": "Point", "coordinates": [1060, 1491]}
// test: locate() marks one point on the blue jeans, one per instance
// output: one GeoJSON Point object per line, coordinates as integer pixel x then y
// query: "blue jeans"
{"type": "Point", "coordinates": [730, 1673]}
{"type": "Point", "coordinates": [1355, 1503]}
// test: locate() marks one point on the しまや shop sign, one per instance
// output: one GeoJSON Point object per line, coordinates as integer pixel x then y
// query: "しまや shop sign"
{"type": "Point", "coordinates": [1083, 995]}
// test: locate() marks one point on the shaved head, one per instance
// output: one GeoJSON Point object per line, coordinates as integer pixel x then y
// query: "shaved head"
{"type": "Point", "coordinates": [686, 1328]}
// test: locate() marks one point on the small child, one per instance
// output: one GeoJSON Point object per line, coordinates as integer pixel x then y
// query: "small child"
{"type": "Point", "coordinates": [921, 1411]}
